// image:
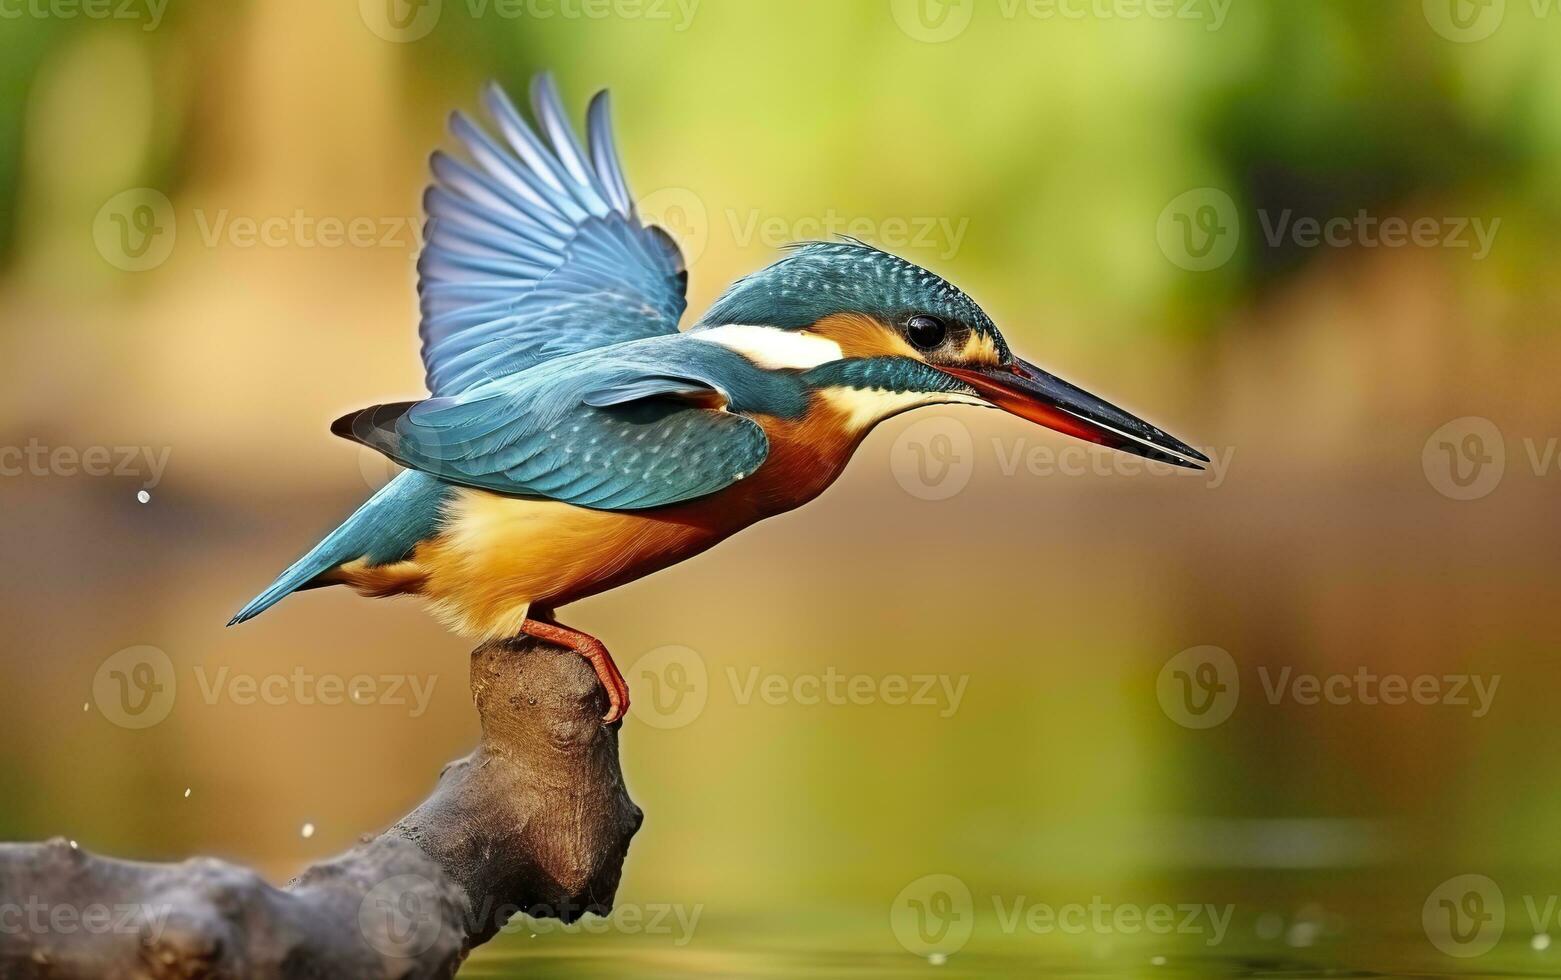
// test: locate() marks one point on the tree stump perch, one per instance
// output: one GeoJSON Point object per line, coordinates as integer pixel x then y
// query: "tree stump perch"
{"type": "Point", "coordinates": [536, 820]}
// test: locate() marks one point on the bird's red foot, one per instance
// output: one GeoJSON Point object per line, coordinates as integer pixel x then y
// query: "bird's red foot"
{"type": "Point", "coordinates": [596, 654]}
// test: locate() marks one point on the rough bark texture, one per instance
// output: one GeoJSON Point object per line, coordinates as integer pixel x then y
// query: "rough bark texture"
{"type": "Point", "coordinates": [536, 819]}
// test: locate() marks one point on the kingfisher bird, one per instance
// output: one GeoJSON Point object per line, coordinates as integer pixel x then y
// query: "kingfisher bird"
{"type": "Point", "coordinates": [575, 439]}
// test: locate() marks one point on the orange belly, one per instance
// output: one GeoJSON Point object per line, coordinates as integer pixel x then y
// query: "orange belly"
{"type": "Point", "coordinates": [496, 557]}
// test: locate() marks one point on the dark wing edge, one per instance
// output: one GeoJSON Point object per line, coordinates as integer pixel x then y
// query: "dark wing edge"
{"type": "Point", "coordinates": [375, 427]}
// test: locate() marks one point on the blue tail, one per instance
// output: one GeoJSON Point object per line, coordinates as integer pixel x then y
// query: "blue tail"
{"type": "Point", "coordinates": [385, 529]}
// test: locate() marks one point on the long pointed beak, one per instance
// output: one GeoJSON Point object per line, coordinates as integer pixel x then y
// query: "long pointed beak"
{"type": "Point", "coordinates": [1030, 393]}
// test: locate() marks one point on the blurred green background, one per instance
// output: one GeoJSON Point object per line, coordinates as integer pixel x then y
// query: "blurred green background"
{"type": "Point", "coordinates": [1119, 184]}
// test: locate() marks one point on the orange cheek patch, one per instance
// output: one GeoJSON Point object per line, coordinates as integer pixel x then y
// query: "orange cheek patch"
{"type": "Point", "coordinates": [979, 349]}
{"type": "Point", "coordinates": [863, 336]}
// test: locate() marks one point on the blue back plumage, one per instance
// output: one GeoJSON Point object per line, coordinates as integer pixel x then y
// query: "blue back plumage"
{"type": "Point", "coordinates": [637, 425]}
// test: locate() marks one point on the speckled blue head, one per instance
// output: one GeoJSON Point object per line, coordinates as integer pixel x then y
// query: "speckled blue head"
{"type": "Point", "coordinates": [822, 279]}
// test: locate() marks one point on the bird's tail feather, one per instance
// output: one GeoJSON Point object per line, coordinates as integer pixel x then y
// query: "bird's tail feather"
{"type": "Point", "coordinates": [384, 529]}
{"type": "Point", "coordinates": [298, 576]}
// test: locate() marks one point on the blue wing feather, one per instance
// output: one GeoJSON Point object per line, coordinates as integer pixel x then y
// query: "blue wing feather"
{"type": "Point", "coordinates": [650, 386]}
{"type": "Point", "coordinates": [604, 154]}
{"type": "Point", "coordinates": [550, 112]}
{"type": "Point", "coordinates": [534, 250]}
{"type": "Point", "coordinates": [622, 428]}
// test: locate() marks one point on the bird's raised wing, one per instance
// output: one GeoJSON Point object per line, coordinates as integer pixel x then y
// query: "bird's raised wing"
{"type": "Point", "coordinates": [534, 250]}
{"type": "Point", "coordinates": [609, 433]}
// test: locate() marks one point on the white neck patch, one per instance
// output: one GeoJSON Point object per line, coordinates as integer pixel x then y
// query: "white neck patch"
{"type": "Point", "coordinates": [863, 408]}
{"type": "Point", "coordinates": [772, 348]}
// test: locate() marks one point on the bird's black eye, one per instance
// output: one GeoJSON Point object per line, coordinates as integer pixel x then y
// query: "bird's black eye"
{"type": "Point", "coordinates": [926, 331]}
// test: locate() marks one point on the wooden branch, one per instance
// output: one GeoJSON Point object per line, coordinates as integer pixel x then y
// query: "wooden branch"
{"type": "Point", "coordinates": [536, 820]}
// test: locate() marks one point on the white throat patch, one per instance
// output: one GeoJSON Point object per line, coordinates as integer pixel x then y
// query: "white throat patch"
{"type": "Point", "coordinates": [772, 347]}
{"type": "Point", "coordinates": [863, 408]}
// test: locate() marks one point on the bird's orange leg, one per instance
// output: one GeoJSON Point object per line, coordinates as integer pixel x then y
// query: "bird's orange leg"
{"type": "Point", "coordinates": [595, 653]}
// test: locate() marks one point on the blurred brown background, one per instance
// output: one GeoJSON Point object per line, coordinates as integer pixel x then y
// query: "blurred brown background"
{"type": "Point", "coordinates": [209, 216]}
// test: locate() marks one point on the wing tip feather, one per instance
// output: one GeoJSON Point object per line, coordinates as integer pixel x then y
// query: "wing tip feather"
{"type": "Point", "coordinates": [539, 171]}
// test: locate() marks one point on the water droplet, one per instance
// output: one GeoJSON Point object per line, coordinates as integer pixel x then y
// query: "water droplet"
{"type": "Point", "coordinates": [86, 706]}
{"type": "Point", "coordinates": [1157, 960]}
{"type": "Point", "coordinates": [186, 792]}
{"type": "Point", "coordinates": [143, 496]}
{"type": "Point", "coordinates": [937, 959]}
{"type": "Point", "coordinates": [1541, 941]}
{"type": "Point", "coordinates": [307, 831]}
